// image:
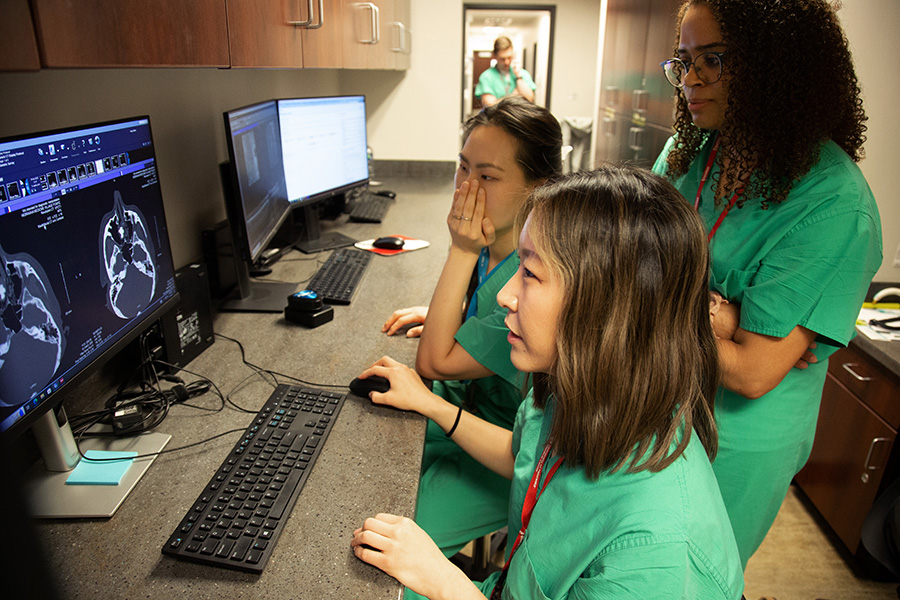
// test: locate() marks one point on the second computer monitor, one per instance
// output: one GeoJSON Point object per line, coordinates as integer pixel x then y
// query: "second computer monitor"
{"type": "Point", "coordinates": [324, 152]}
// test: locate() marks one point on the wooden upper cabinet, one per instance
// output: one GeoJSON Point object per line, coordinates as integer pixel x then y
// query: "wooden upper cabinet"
{"type": "Point", "coordinates": [18, 45]}
{"type": "Point", "coordinates": [284, 33]}
{"type": "Point", "coordinates": [322, 38]}
{"type": "Point", "coordinates": [205, 33]}
{"type": "Point", "coordinates": [376, 34]}
{"type": "Point", "coordinates": [125, 33]}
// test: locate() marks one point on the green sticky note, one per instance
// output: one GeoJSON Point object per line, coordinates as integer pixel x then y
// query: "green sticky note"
{"type": "Point", "coordinates": [106, 472]}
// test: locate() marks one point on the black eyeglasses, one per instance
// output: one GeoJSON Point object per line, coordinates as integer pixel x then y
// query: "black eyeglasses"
{"type": "Point", "coordinates": [707, 67]}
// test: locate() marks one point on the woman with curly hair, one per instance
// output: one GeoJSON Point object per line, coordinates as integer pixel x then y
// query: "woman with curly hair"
{"type": "Point", "coordinates": [769, 127]}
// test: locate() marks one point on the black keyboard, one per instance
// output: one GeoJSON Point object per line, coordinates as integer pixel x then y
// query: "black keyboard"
{"type": "Point", "coordinates": [236, 521]}
{"type": "Point", "coordinates": [369, 208]}
{"type": "Point", "coordinates": [337, 279]}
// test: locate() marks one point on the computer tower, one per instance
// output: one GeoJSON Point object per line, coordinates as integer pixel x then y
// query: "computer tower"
{"type": "Point", "coordinates": [218, 252]}
{"type": "Point", "coordinates": [187, 329]}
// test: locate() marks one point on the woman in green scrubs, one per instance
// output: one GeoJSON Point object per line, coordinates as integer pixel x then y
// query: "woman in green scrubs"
{"type": "Point", "coordinates": [508, 149]}
{"type": "Point", "coordinates": [613, 494]}
{"type": "Point", "coordinates": [769, 127]}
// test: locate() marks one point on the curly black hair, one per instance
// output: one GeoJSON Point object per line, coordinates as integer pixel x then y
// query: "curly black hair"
{"type": "Point", "coordinates": [791, 86]}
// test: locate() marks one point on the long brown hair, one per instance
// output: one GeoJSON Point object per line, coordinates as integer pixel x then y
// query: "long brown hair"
{"type": "Point", "coordinates": [636, 359]}
{"type": "Point", "coordinates": [791, 87]}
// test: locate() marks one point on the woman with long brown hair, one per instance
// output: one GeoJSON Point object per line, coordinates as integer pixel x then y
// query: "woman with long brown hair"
{"type": "Point", "coordinates": [613, 494]}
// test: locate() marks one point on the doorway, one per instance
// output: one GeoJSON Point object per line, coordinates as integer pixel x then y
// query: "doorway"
{"type": "Point", "coordinates": [529, 27]}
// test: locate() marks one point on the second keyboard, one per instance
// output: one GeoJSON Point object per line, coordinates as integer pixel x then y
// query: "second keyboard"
{"type": "Point", "coordinates": [337, 279]}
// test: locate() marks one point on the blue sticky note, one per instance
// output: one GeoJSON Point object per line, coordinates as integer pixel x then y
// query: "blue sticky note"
{"type": "Point", "coordinates": [107, 472]}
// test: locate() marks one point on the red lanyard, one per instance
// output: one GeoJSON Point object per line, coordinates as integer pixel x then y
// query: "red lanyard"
{"type": "Point", "coordinates": [737, 194]}
{"type": "Point", "coordinates": [535, 490]}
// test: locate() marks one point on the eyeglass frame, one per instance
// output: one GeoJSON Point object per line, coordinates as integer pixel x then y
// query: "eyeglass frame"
{"type": "Point", "coordinates": [689, 64]}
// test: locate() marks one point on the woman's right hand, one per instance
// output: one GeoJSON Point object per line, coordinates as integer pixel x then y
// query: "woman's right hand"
{"type": "Point", "coordinates": [404, 317]}
{"type": "Point", "coordinates": [407, 391]}
{"type": "Point", "coordinates": [470, 229]}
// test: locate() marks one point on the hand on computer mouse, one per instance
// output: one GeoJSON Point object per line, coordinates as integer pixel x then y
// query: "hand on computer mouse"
{"type": "Point", "coordinates": [373, 383]}
{"type": "Point", "coordinates": [407, 390]}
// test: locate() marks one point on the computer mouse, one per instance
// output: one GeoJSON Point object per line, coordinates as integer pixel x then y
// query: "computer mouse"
{"type": "Point", "coordinates": [362, 387]}
{"type": "Point", "coordinates": [385, 193]}
{"type": "Point", "coordinates": [389, 243]}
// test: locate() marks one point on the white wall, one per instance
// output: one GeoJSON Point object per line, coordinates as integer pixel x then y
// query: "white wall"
{"type": "Point", "coordinates": [416, 114]}
{"type": "Point", "coordinates": [871, 27]}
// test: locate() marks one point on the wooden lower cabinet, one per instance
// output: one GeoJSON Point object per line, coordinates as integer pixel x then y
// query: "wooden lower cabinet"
{"type": "Point", "coordinates": [852, 458]}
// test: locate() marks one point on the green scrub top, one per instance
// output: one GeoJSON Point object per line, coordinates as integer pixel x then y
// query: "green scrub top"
{"type": "Point", "coordinates": [493, 82]}
{"type": "Point", "coordinates": [806, 261]}
{"type": "Point", "coordinates": [460, 499]}
{"type": "Point", "coordinates": [496, 398]}
{"type": "Point", "coordinates": [626, 535]}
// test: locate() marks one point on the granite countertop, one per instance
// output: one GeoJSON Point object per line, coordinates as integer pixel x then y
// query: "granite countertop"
{"type": "Point", "coordinates": [887, 354]}
{"type": "Point", "coordinates": [370, 462]}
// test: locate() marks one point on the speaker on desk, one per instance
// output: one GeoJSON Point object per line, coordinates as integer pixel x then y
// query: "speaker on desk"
{"type": "Point", "coordinates": [187, 329]}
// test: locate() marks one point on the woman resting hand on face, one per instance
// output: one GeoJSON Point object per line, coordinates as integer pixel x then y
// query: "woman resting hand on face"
{"type": "Point", "coordinates": [508, 149]}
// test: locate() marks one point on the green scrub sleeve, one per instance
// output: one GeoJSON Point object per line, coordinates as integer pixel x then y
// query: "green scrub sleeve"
{"type": "Point", "coordinates": [815, 277]}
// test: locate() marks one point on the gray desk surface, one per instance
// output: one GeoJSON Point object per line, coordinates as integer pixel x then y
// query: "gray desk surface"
{"type": "Point", "coordinates": [370, 462]}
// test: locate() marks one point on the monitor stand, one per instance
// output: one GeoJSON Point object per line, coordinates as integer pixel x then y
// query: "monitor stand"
{"type": "Point", "coordinates": [312, 239]}
{"type": "Point", "coordinates": [261, 296]}
{"type": "Point", "coordinates": [48, 494]}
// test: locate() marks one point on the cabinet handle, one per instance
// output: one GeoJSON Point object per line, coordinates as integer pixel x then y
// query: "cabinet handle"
{"type": "Point", "coordinates": [848, 367]}
{"type": "Point", "coordinates": [640, 101]}
{"type": "Point", "coordinates": [307, 21]}
{"type": "Point", "coordinates": [376, 33]}
{"type": "Point", "coordinates": [321, 15]}
{"type": "Point", "coordinates": [879, 440]}
{"type": "Point", "coordinates": [401, 36]}
{"type": "Point", "coordinates": [636, 138]}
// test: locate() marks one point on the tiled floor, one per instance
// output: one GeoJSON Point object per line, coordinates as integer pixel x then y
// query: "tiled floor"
{"type": "Point", "coordinates": [799, 560]}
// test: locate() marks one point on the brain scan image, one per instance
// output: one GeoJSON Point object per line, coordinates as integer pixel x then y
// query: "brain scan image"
{"type": "Point", "coordinates": [127, 254]}
{"type": "Point", "coordinates": [30, 326]}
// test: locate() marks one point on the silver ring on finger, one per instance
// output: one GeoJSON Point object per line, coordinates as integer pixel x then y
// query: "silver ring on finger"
{"type": "Point", "coordinates": [465, 218]}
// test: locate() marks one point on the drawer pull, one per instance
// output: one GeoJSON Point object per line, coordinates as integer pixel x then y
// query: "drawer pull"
{"type": "Point", "coordinates": [848, 367]}
{"type": "Point", "coordinates": [878, 440]}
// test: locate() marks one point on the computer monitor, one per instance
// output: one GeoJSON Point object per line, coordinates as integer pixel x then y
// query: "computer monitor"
{"type": "Point", "coordinates": [85, 267]}
{"type": "Point", "coordinates": [256, 201]}
{"type": "Point", "coordinates": [323, 143]}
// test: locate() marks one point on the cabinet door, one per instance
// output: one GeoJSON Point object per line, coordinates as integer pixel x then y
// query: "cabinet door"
{"type": "Point", "coordinates": [124, 33]}
{"type": "Point", "coordinates": [322, 38]}
{"type": "Point", "coordinates": [18, 46]}
{"type": "Point", "coordinates": [847, 463]}
{"type": "Point", "coordinates": [399, 36]}
{"type": "Point", "coordinates": [376, 34]}
{"type": "Point", "coordinates": [264, 33]}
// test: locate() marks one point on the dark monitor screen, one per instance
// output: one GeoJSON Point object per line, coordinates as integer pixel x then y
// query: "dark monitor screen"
{"type": "Point", "coordinates": [255, 202]}
{"type": "Point", "coordinates": [254, 147]}
{"type": "Point", "coordinates": [85, 262]}
{"type": "Point", "coordinates": [323, 143]}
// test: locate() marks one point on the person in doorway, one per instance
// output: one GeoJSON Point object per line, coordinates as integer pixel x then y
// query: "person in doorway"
{"type": "Point", "coordinates": [505, 77]}
{"type": "Point", "coordinates": [613, 494]}
{"type": "Point", "coordinates": [508, 150]}
{"type": "Point", "coordinates": [769, 128]}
